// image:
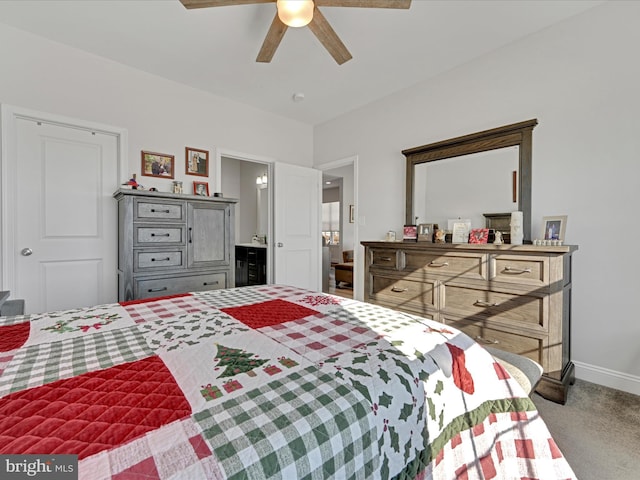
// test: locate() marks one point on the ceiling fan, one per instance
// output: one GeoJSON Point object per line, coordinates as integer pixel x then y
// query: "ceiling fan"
{"type": "Point", "coordinates": [300, 13]}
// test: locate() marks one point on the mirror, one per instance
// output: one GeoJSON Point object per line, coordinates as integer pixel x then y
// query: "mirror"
{"type": "Point", "coordinates": [484, 172]}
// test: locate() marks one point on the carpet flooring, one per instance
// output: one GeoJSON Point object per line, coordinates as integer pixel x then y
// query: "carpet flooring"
{"type": "Point", "coordinates": [598, 431]}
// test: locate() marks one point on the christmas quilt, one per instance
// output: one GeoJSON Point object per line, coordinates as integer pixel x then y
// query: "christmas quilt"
{"type": "Point", "coordinates": [264, 382]}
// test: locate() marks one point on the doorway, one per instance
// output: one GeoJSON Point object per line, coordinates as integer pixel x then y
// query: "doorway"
{"type": "Point", "coordinates": [250, 182]}
{"type": "Point", "coordinates": [340, 246]}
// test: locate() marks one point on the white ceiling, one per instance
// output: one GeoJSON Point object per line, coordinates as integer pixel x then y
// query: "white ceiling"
{"type": "Point", "coordinates": [214, 49]}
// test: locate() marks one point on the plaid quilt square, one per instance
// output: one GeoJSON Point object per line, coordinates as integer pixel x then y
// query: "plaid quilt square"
{"type": "Point", "coordinates": [303, 426]}
{"type": "Point", "coordinates": [164, 308]}
{"type": "Point", "coordinates": [36, 365]}
{"type": "Point", "coordinates": [232, 297]}
{"type": "Point", "coordinates": [176, 450]}
{"type": "Point", "coordinates": [320, 336]}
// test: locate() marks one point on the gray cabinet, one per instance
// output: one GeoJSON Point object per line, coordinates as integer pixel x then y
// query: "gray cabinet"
{"type": "Point", "coordinates": [169, 244]}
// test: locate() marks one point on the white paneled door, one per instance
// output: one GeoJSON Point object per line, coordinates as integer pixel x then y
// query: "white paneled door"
{"type": "Point", "coordinates": [65, 217]}
{"type": "Point", "coordinates": [297, 226]}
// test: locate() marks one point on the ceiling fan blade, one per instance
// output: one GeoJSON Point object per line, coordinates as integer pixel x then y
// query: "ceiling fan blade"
{"type": "Point", "coordinates": [220, 3]}
{"type": "Point", "coordinates": [364, 3]}
{"type": "Point", "coordinates": [329, 38]}
{"type": "Point", "coordinates": [272, 40]}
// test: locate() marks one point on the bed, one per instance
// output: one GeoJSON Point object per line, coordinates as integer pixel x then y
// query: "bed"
{"type": "Point", "coordinates": [265, 381]}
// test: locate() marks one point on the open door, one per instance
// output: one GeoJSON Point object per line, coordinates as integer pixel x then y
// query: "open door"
{"type": "Point", "coordinates": [297, 236]}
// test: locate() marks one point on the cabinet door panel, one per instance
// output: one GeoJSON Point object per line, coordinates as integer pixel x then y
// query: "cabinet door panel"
{"type": "Point", "coordinates": [208, 235]}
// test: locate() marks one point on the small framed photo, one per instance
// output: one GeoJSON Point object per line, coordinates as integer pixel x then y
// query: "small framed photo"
{"type": "Point", "coordinates": [352, 214]}
{"type": "Point", "coordinates": [425, 232]}
{"type": "Point", "coordinates": [553, 228]}
{"type": "Point", "coordinates": [157, 164]}
{"type": "Point", "coordinates": [460, 232]}
{"type": "Point", "coordinates": [197, 161]}
{"type": "Point", "coordinates": [410, 233]}
{"type": "Point", "coordinates": [201, 189]}
{"type": "Point", "coordinates": [479, 235]}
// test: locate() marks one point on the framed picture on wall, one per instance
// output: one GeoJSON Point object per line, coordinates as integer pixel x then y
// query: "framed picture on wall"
{"type": "Point", "coordinates": [157, 164]}
{"type": "Point", "coordinates": [201, 188]}
{"type": "Point", "coordinates": [196, 162]}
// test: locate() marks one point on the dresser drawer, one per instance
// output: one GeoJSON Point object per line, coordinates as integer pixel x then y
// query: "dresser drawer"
{"type": "Point", "coordinates": [164, 235]}
{"type": "Point", "coordinates": [150, 210]}
{"type": "Point", "coordinates": [511, 308]}
{"type": "Point", "coordinates": [385, 258]}
{"type": "Point", "coordinates": [494, 337]}
{"type": "Point", "coordinates": [404, 294]}
{"type": "Point", "coordinates": [158, 287]}
{"type": "Point", "coordinates": [157, 260]}
{"type": "Point", "coordinates": [519, 269]}
{"type": "Point", "coordinates": [447, 265]}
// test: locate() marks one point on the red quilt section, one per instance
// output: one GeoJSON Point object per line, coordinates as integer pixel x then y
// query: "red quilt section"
{"type": "Point", "coordinates": [269, 313]}
{"type": "Point", "coordinates": [92, 412]}
{"type": "Point", "coordinates": [14, 336]}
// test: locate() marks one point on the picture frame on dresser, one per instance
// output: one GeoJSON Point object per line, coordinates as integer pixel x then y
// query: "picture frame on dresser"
{"type": "Point", "coordinates": [425, 232]}
{"type": "Point", "coordinates": [553, 228]}
{"type": "Point", "coordinates": [196, 162]}
{"type": "Point", "coordinates": [155, 164]}
{"type": "Point", "coordinates": [201, 189]}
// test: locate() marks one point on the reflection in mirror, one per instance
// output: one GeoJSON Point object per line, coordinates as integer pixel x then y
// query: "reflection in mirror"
{"type": "Point", "coordinates": [467, 162]}
{"type": "Point", "coordinates": [466, 187]}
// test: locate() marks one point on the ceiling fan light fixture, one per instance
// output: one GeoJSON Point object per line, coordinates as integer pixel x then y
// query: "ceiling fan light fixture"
{"type": "Point", "coordinates": [295, 13]}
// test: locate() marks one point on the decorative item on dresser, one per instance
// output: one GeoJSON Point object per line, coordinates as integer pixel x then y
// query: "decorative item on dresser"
{"type": "Point", "coordinates": [169, 244]}
{"type": "Point", "coordinates": [515, 298]}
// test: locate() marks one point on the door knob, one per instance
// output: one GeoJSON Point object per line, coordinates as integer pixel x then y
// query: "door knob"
{"type": "Point", "coordinates": [280, 244]}
{"type": "Point", "coordinates": [26, 252]}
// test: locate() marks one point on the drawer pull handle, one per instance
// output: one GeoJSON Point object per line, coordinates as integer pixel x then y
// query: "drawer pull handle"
{"type": "Point", "coordinates": [160, 235]}
{"type": "Point", "coordinates": [157, 289]}
{"type": "Point", "coordinates": [153, 210]}
{"type": "Point", "coordinates": [480, 303]}
{"type": "Point", "coordinates": [438, 264]}
{"type": "Point", "coordinates": [211, 283]}
{"type": "Point", "coordinates": [487, 341]}
{"type": "Point", "coordinates": [385, 259]}
{"type": "Point", "coordinates": [190, 235]}
{"type": "Point", "coordinates": [516, 271]}
{"type": "Point", "coordinates": [398, 289]}
{"type": "Point", "coordinates": [160, 259]}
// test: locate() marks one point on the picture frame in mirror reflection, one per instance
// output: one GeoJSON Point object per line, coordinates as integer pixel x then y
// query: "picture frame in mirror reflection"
{"type": "Point", "coordinates": [425, 232]}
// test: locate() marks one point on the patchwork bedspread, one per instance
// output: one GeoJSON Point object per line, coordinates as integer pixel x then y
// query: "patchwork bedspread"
{"type": "Point", "coordinates": [264, 382]}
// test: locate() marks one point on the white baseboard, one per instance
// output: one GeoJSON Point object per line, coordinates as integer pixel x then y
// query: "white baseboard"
{"type": "Point", "coordinates": [608, 378]}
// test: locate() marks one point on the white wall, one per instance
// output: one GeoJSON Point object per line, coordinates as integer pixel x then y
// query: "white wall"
{"type": "Point", "coordinates": [160, 115]}
{"type": "Point", "coordinates": [581, 80]}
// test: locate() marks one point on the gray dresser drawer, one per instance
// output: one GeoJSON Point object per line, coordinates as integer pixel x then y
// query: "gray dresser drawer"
{"type": "Point", "coordinates": [148, 235]}
{"type": "Point", "coordinates": [148, 210]}
{"type": "Point", "coordinates": [157, 260]}
{"type": "Point", "coordinates": [158, 287]}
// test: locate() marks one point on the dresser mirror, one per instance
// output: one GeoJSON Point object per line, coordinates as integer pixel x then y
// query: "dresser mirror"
{"type": "Point", "coordinates": [484, 172]}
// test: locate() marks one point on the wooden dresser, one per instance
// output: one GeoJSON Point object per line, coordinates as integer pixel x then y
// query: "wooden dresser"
{"type": "Point", "coordinates": [169, 243]}
{"type": "Point", "coordinates": [513, 297]}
